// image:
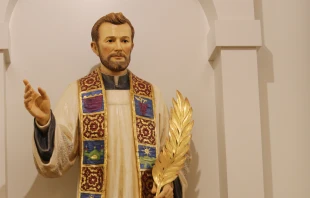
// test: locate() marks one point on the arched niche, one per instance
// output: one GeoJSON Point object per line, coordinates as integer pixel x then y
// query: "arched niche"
{"type": "Point", "coordinates": [204, 169]}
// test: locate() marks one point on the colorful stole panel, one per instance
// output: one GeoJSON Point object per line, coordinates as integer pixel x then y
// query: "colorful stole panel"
{"type": "Point", "coordinates": [94, 134]}
{"type": "Point", "coordinates": [143, 114]}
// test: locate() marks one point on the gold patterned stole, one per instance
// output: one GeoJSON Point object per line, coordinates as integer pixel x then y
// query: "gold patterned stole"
{"type": "Point", "coordinates": [94, 134]}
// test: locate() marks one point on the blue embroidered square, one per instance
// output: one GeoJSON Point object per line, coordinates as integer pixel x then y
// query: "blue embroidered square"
{"type": "Point", "coordinates": [86, 195]}
{"type": "Point", "coordinates": [92, 101]}
{"type": "Point", "coordinates": [147, 156]}
{"type": "Point", "coordinates": [93, 152]}
{"type": "Point", "coordinates": [144, 107]}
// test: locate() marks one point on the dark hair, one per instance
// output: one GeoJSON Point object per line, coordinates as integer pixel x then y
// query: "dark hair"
{"type": "Point", "coordinates": [114, 18]}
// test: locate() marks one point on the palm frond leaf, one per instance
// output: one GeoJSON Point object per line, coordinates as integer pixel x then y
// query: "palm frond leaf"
{"type": "Point", "coordinates": [172, 158]}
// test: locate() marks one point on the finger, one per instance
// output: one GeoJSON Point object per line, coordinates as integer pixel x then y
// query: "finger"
{"type": "Point", "coordinates": [26, 102]}
{"type": "Point", "coordinates": [154, 189]}
{"type": "Point", "coordinates": [43, 93]}
{"type": "Point", "coordinates": [28, 87]}
{"type": "Point", "coordinates": [28, 94]}
{"type": "Point", "coordinates": [26, 82]}
{"type": "Point", "coordinates": [164, 192]}
{"type": "Point", "coordinates": [170, 193]}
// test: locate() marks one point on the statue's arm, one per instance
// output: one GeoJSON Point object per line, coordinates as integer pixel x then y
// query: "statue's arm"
{"type": "Point", "coordinates": [55, 146]}
{"type": "Point", "coordinates": [44, 138]}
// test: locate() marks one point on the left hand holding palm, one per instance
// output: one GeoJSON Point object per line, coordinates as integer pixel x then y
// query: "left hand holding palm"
{"type": "Point", "coordinates": [167, 191]}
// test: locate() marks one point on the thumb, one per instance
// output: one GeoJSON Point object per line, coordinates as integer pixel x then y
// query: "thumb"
{"type": "Point", "coordinates": [154, 189]}
{"type": "Point", "coordinates": [43, 93]}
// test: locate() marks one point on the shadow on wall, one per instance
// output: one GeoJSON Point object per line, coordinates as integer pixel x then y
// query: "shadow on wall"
{"type": "Point", "coordinates": [265, 76]}
{"type": "Point", "coordinates": [53, 187]}
{"type": "Point", "coordinates": [193, 181]}
{"type": "Point", "coordinates": [3, 191]}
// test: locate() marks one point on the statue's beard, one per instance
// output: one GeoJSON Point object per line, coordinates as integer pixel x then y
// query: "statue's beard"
{"type": "Point", "coordinates": [115, 66]}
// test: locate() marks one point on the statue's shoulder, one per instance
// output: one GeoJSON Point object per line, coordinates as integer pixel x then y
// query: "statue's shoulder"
{"type": "Point", "coordinates": [138, 80]}
{"type": "Point", "coordinates": [90, 81]}
{"type": "Point", "coordinates": [141, 87]}
{"type": "Point", "coordinates": [92, 75]}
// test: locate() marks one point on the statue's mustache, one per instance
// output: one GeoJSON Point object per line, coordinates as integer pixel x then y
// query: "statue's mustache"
{"type": "Point", "coordinates": [120, 54]}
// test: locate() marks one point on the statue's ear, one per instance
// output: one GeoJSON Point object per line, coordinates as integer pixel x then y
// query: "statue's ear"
{"type": "Point", "coordinates": [94, 47]}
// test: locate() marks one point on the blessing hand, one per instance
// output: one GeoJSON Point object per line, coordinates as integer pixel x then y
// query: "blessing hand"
{"type": "Point", "coordinates": [37, 103]}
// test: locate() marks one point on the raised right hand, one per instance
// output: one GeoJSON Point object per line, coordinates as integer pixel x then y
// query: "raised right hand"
{"type": "Point", "coordinates": [37, 104]}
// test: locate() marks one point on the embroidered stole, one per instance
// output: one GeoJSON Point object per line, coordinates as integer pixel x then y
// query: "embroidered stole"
{"type": "Point", "coordinates": [94, 134]}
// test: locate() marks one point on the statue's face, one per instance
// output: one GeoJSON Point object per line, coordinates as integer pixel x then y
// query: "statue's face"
{"type": "Point", "coordinates": [114, 46]}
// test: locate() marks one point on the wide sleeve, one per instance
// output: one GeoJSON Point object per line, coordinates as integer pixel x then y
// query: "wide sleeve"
{"type": "Point", "coordinates": [180, 184]}
{"type": "Point", "coordinates": [44, 138]}
{"type": "Point", "coordinates": [65, 142]}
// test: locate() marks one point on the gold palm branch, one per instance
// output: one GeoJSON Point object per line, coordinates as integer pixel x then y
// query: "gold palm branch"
{"type": "Point", "coordinates": [174, 154]}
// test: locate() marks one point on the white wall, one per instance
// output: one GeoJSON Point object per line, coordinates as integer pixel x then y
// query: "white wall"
{"type": "Point", "coordinates": [52, 38]}
{"type": "Point", "coordinates": [50, 47]}
{"type": "Point", "coordinates": [284, 77]}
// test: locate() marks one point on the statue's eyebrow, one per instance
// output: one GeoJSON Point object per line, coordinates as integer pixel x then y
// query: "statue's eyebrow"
{"type": "Point", "coordinates": [113, 37]}
{"type": "Point", "coordinates": [109, 37]}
